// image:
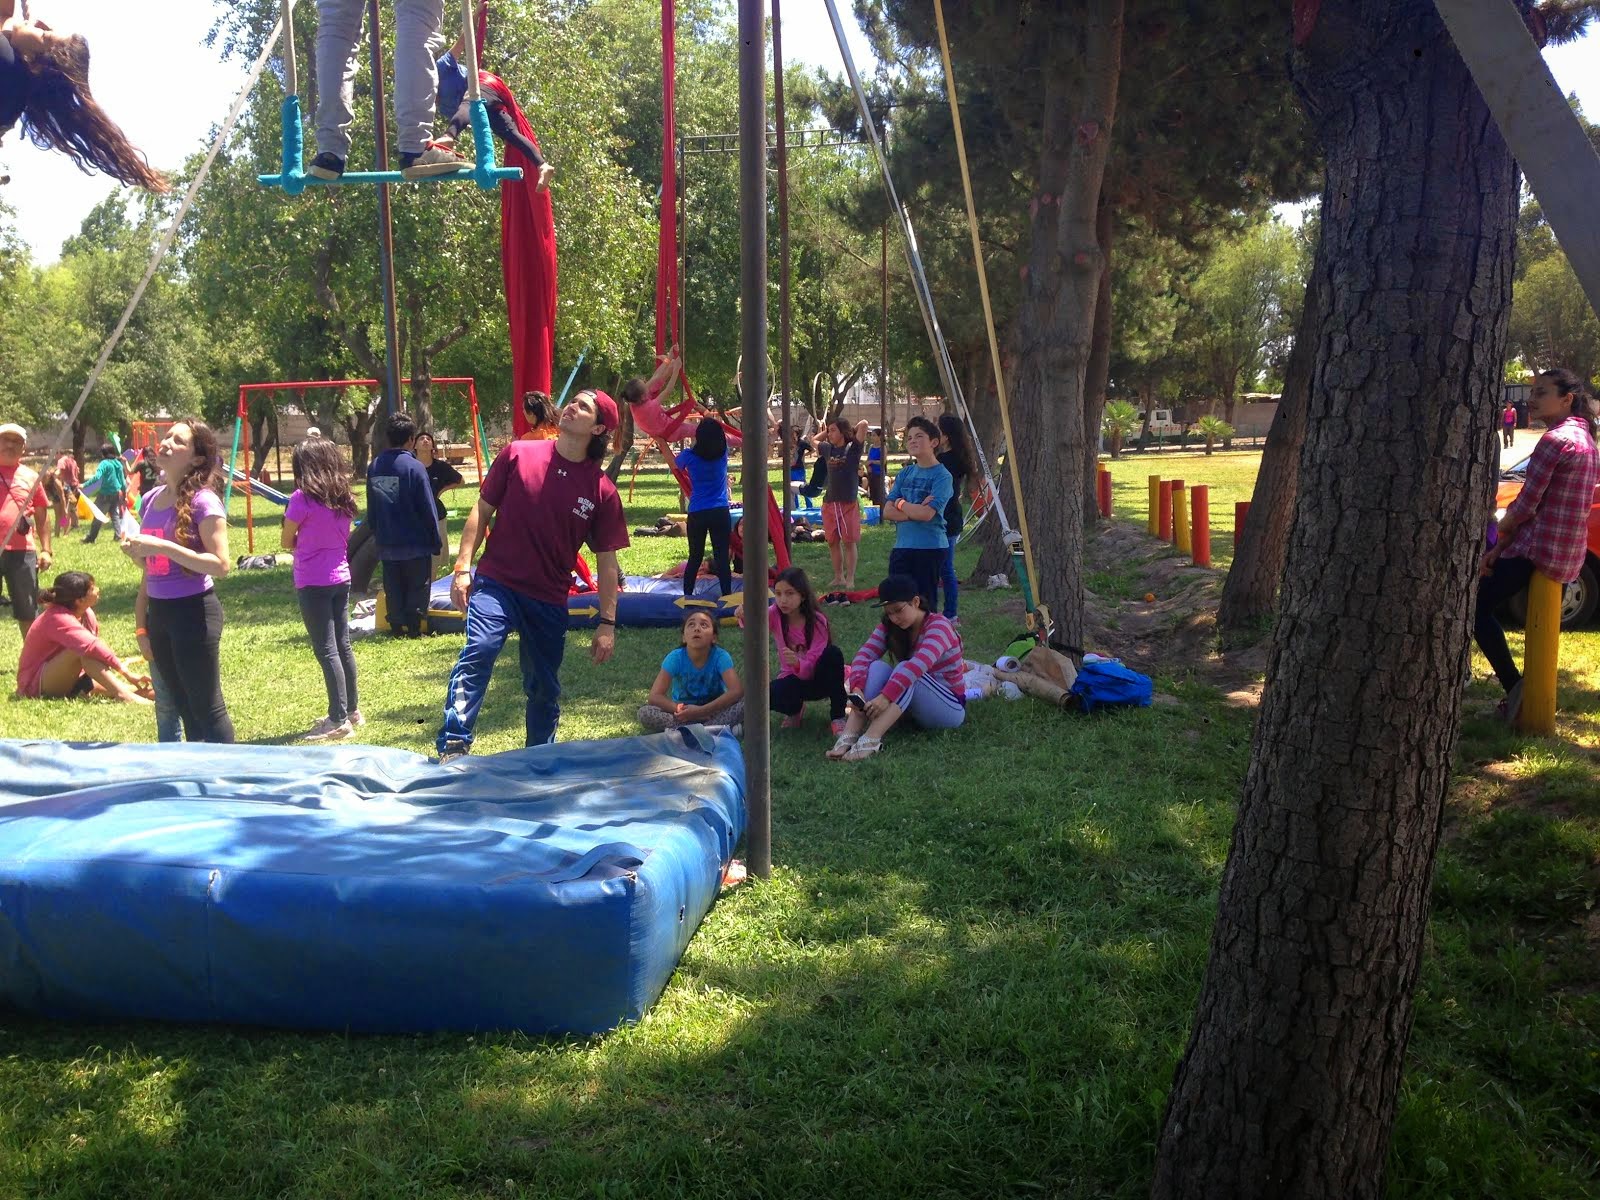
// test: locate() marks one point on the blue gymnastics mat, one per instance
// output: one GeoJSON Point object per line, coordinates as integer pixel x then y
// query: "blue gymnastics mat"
{"type": "Point", "coordinates": [550, 890]}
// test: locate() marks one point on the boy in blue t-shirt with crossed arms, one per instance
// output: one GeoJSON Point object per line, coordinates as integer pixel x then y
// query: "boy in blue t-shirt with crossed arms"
{"type": "Point", "coordinates": [916, 504]}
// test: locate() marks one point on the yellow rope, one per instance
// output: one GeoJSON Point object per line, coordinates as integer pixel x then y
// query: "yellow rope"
{"type": "Point", "coordinates": [988, 320]}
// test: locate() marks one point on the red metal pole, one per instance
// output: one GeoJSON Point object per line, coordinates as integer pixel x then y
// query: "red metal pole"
{"type": "Point", "coordinates": [1164, 530]}
{"type": "Point", "coordinates": [1241, 510]}
{"type": "Point", "coordinates": [249, 490]}
{"type": "Point", "coordinates": [477, 443]}
{"type": "Point", "coordinates": [1200, 542]}
{"type": "Point", "coordinates": [1103, 491]}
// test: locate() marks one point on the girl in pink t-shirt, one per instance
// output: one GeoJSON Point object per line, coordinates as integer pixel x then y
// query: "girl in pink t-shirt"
{"type": "Point", "coordinates": [63, 655]}
{"type": "Point", "coordinates": [316, 526]}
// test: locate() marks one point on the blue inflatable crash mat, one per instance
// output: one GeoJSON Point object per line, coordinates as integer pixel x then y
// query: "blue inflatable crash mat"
{"type": "Point", "coordinates": [550, 890]}
{"type": "Point", "coordinates": [644, 602]}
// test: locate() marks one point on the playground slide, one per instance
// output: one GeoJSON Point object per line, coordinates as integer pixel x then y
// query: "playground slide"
{"type": "Point", "coordinates": [260, 489]}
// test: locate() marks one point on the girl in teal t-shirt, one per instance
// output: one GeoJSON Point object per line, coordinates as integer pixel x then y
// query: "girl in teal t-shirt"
{"type": "Point", "coordinates": [697, 683]}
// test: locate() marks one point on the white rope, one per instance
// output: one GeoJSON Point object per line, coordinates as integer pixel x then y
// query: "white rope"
{"type": "Point", "coordinates": [64, 436]}
{"type": "Point", "coordinates": [919, 277]}
{"type": "Point", "coordinates": [469, 43]}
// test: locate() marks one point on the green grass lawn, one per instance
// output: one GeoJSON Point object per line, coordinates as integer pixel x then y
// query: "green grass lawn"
{"type": "Point", "coordinates": [971, 974]}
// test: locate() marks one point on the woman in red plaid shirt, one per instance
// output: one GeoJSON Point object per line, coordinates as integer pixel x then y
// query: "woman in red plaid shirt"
{"type": "Point", "coordinates": [1546, 527]}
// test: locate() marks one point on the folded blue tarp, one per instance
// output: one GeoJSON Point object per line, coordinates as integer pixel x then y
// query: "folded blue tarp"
{"type": "Point", "coordinates": [550, 890]}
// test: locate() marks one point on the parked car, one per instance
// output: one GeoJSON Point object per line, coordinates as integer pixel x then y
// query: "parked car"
{"type": "Point", "coordinates": [1581, 601]}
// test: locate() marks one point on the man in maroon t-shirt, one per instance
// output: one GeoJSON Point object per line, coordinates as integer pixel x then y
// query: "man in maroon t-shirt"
{"type": "Point", "coordinates": [546, 500]}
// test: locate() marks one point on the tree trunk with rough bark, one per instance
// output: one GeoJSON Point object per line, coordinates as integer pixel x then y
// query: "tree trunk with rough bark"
{"type": "Point", "coordinates": [1055, 318]}
{"type": "Point", "coordinates": [1251, 591]}
{"type": "Point", "coordinates": [1288, 1085]}
{"type": "Point", "coordinates": [1098, 374]}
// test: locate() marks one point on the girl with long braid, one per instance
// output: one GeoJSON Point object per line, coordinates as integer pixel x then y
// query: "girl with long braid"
{"type": "Point", "coordinates": [183, 544]}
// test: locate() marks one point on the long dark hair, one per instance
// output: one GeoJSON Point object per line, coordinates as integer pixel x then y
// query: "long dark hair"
{"type": "Point", "coordinates": [322, 475]}
{"type": "Point", "coordinates": [955, 432]}
{"type": "Point", "coordinates": [846, 429]}
{"type": "Point", "coordinates": [60, 113]}
{"type": "Point", "coordinates": [899, 640]}
{"type": "Point", "coordinates": [710, 439]}
{"type": "Point", "coordinates": [202, 473]}
{"type": "Point", "coordinates": [796, 578]}
{"type": "Point", "coordinates": [1569, 384]}
{"type": "Point", "coordinates": [70, 587]}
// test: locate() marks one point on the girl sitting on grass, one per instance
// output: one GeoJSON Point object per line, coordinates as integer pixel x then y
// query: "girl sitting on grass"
{"type": "Point", "coordinates": [924, 679]}
{"type": "Point", "coordinates": [63, 656]}
{"type": "Point", "coordinates": [810, 666]}
{"type": "Point", "coordinates": [696, 683]}
{"type": "Point", "coordinates": [316, 527]}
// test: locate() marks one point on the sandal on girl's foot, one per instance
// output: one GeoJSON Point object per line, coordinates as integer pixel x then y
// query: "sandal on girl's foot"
{"type": "Point", "coordinates": [865, 747]}
{"type": "Point", "coordinates": [794, 722]}
{"type": "Point", "coordinates": [1511, 707]}
{"type": "Point", "coordinates": [845, 743]}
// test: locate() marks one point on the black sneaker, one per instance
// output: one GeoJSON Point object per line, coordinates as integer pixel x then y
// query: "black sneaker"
{"type": "Point", "coordinates": [453, 750]}
{"type": "Point", "coordinates": [326, 166]}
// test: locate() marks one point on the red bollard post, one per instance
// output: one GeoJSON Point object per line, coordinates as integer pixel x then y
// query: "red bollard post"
{"type": "Point", "coordinates": [1165, 530]}
{"type": "Point", "coordinates": [1200, 541]}
{"type": "Point", "coordinates": [1103, 491]}
{"type": "Point", "coordinates": [1241, 510]}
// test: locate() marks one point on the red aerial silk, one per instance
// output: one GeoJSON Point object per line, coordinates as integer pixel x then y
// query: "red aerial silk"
{"type": "Point", "coordinates": [528, 263]}
{"type": "Point", "coordinates": [669, 300]}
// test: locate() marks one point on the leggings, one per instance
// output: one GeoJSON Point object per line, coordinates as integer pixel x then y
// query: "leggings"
{"type": "Point", "coordinates": [1506, 578]}
{"type": "Point", "coordinates": [659, 720]}
{"type": "Point", "coordinates": [186, 639]}
{"type": "Point", "coordinates": [788, 693]}
{"type": "Point", "coordinates": [325, 610]}
{"type": "Point", "coordinates": [719, 524]}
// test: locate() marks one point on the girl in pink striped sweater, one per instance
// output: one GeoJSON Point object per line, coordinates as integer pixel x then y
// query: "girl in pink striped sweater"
{"type": "Point", "coordinates": [63, 655]}
{"type": "Point", "coordinates": [924, 680]}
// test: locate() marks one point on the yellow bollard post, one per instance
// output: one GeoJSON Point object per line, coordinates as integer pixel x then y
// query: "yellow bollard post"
{"type": "Point", "coordinates": [1180, 517]}
{"type": "Point", "coordinates": [1155, 506]}
{"type": "Point", "coordinates": [1542, 650]}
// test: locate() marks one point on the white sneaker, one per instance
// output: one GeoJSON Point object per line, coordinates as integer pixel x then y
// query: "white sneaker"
{"type": "Point", "coordinates": [434, 160]}
{"type": "Point", "coordinates": [325, 730]}
{"type": "Point", "coordinates": [356, 718]}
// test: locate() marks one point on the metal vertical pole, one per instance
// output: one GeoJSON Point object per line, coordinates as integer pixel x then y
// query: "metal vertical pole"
{"type": "Point", "coordinates": [753, 313]}
{"type": "Point", "coordinates": [380, 125]}
{"type": "Point", "coordinates": [883, 362]}
{"type": "Point", "coordinates": [783, 247]}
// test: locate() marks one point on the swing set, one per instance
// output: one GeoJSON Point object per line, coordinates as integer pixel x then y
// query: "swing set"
{"type": "Point", "coordinates": [252, 487]}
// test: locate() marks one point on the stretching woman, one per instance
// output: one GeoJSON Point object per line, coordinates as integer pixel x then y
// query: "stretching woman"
{"type": "Point", "coordinates": [183, 544]}
{"type": "Point", "coordinates": [44, 83]}
{"type": "Point", "coordinates": [63, 655]}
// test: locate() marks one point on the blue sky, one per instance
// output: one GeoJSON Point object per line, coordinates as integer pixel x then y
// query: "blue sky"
{"type": "Point", "coordinates": [167, 90]}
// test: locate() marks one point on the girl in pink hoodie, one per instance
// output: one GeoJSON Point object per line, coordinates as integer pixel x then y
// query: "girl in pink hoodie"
{"type": "Point", "coordinates": [810, 666]}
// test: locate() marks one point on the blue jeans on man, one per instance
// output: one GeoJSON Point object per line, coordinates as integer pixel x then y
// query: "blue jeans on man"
{"type": "Point", "coordinates": [494, 613]}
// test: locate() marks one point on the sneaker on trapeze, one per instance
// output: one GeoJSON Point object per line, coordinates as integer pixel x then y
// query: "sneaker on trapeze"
{"type": "Point", "coordinates": [326, 166]}
{"type": "Point", "coordinates": [453, 749]}
{"type": "Point", "coordinates": [433, 160]}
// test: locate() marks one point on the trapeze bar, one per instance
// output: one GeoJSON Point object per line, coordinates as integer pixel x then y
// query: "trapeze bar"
{"type": "Point", "coordinates": [293, 179]}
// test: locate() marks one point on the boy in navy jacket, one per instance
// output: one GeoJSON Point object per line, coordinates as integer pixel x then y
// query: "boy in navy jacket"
{"type": "Point", "coordinates": [401, 510]}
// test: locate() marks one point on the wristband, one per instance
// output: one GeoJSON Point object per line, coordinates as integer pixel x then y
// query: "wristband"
{"type": "Point", "coordinates": [608, 621]}
{"type": "Point", "coordinates": [139, 633]}
{"type": "Point", "coordinates": [461, 571]}
{"type": "Point", "coordinates": [900, 504]}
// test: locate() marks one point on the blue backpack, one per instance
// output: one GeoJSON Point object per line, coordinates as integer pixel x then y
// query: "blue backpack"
{"type": "Point", "coordinates": [1113, 685]}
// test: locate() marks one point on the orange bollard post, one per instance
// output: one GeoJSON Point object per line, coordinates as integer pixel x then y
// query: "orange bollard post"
{"type": "Point", "coordinates": [1201, 538]}
{"type": "Point", "coordinates": [1241, 511]}
{"type": "Point", "coordinates": [1542, 650]}
{"type": "Point", "coordinates": [1154, 514]}
{"type": "Point", "coordinates": [1103, 491]}
{"type": "Point", "coordinates": [1164, 511]}
{"type": "Point", "coordinates": [1180, 516]}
